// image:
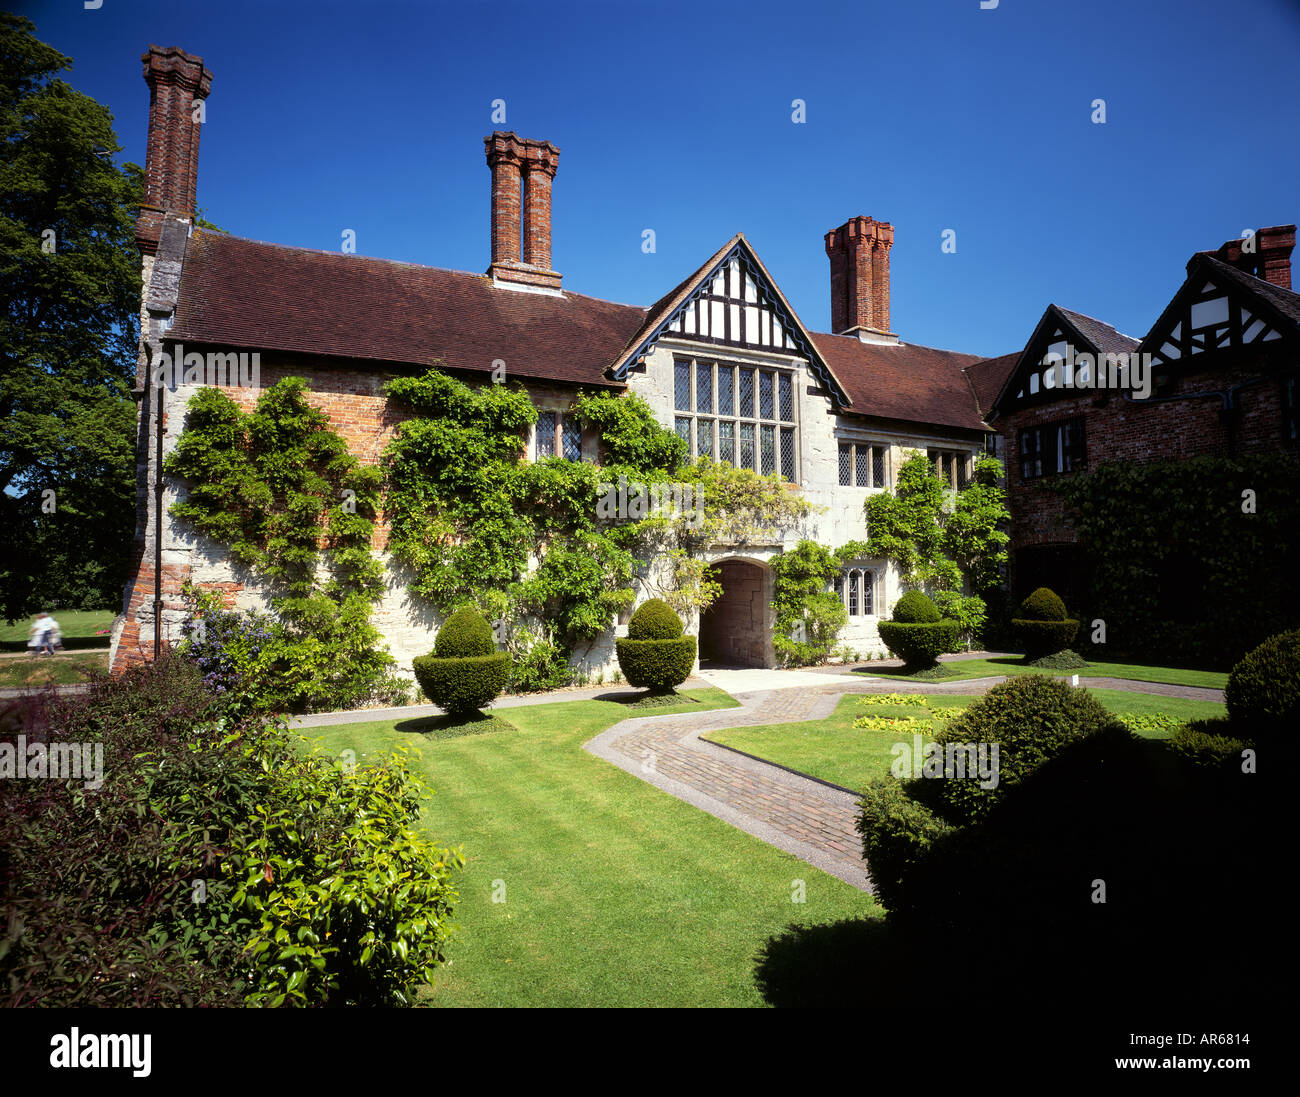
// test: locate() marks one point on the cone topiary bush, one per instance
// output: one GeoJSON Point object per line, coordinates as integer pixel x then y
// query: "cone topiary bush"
{"type": "Point", "coordinates": [465, 671]}
{"type": "Point", "coordinates": [1042, 626]}
{"type": "Point", "coordinates": [918, 634]}
{"type": "Point", "coordinates": [655, 655]}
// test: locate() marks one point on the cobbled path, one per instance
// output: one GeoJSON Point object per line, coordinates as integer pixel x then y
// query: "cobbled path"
{"type": "Point", "coordinates": [809, 818]}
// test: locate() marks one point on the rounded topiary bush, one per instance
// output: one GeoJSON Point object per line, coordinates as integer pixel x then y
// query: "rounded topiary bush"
{"type": "Point", "coordinates": [654, 620]}
{"type": "Point", "coordinates": [1032, 719]}
{"type": "Point", "coordinates": [465, 671]}
{"type": "Point", "coordinates": [1263, 691]}
{"type": "Point", "coordinates": [918, 635]}
{"type": "Point", "coordinates": [914, 608]}
{"type": "Point", "coordinates": [655, 655]}
{"type": "Point", "coordinates": [465, 633]}
{"type": "Point", "coordinates": [897, 833]}
{"type": "Point", "coordinates": [1043, 627]}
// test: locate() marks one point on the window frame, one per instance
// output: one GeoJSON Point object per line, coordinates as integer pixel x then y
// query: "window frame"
{"type": "Point", "coordinates": [1051, 455]}
{"type": "Point", "coordinates": [857, 447]}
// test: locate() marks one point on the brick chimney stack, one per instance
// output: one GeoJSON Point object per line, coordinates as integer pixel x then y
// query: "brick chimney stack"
{"type": "Point", "coordinates": [171, 167]}
{"type": "Point", "coordinates": [859, 255]}
{"type": "Point", "coordinates": [522, 174]}
{"type": "Point", "coordinates": [1271, 258]}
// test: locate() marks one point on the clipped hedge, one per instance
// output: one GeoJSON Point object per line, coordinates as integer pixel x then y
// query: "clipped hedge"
{"type": "Point", "coordinates": [919, 644]}
{"type": "Point", "coordinates": [465, 633]}
{"type": "Point", "coordinates": [897, 833]}
{"type": "Point", "coordinates": [654, 620]}
{"type": "Point", "coordinates": [1032, 719]}
{"type": "Point", "coordinates": [914, 608]}
{"type": "Point", "coordinates": [462, 686]}
{"type": "Point", "coordinates": [1263, 691]}
{"type": "Point", "coordinates": [656, 664]}
{"type": "Point", "coordinates": [1042, 638]}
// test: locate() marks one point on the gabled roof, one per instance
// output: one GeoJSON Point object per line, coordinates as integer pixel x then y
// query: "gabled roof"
{"type": "Point", "coordinates": [661, 315]}
{"type": "Point", "coordinates": [246, 294]}
{"type": "Point", "coordinates": [1082, 332]}
{"type": "Point", "coordinates": [1267, 311]}
{"type": "Point", "coordinates": [904, 382]}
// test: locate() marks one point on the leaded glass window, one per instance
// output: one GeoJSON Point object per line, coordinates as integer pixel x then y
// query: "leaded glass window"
{"type": "Point", "coordinates": [682, 386]}
{"type": "Point", "coordinates": [731, 415]}
{"type": "Point", "coordinates": [546, 434]}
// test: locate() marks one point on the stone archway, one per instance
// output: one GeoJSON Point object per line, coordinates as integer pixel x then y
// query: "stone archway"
{"type": "Point", "coordinates": [736, 631]}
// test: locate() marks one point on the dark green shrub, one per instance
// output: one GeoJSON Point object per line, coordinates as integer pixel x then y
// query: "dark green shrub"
{"type": "Point", "coordinates": [915, 608]}
{"type": "Point", "coordinates": [1207, 743]}
{"type": "Point", "coordinates": [1263, 691]}
{"type": "Point", "coordinates": [1042, 605]}
{"type": "Point", "coordinates": [1042, 627]}
{"type": "Point", "coordinates": [656, 664]}
{"type": "Point", "coordinates": [654, 620]}
{"type": "Point", "coordinates": [919, 645]}
{"type": "Point", "coordinates": [897, 832]}
{"type": "Point", "coordinates": [1060, 660]}
{"type": "Point", "coordinates": [465, 633]}
{"type": "Point", "coordinates": [1032, 719]}
{"type": "Point", "coordinates": [462, 685]}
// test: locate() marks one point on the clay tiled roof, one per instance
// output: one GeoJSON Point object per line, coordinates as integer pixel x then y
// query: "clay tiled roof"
{"type": "Point", "coordinates": [987, 377]}
{"type": "Point", "coordinates": [243, 293]}
{"type": "Point", "coordinates": [1100, 334]}
{"type": "Point", "coordinates": [1287, 302]}
{"type": "Point", "coordinates": [915, 384]}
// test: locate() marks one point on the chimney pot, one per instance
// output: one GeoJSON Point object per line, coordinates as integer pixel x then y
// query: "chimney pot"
{"type": "Point", "coordinates": [859, 255]}
{"type": "Point", "coordinates": [176, 79]}
{"type": "Point", "coordinates": [521, 231]}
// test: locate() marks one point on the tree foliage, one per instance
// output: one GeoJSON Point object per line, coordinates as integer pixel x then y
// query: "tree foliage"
{"type": "Point", "coordinates": [70, 285]}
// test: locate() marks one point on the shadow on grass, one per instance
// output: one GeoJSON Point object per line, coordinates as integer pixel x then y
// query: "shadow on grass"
{"type": "Point", "coordinates": [829, 965]}
{"type": "Point", "coordinates": [454, 727]}
{"type": "Point", "coordinates": [645, 699]}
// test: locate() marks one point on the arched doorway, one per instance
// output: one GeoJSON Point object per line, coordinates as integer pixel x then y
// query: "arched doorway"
{"type": "Point", "coordinates": [735, 630]}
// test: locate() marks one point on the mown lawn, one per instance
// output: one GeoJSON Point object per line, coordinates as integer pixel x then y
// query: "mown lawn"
{"type": "Point", "coordinates": [834, 750]}
{"type": "Point", "coordinates": [78, 627]}
{"type": "Point", "coordinates": [33, 672]}
{"type": "Point", "coordinates": [989, 668]}
{"type": "Point", "coordinates": [616, 894]}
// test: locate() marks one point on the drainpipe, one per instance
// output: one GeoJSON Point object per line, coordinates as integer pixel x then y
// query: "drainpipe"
{"type": "Point", "coordinates": [157, 529]}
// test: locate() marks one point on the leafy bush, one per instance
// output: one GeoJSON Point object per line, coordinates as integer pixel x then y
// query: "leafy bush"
{"type": "Point", "coordinates": [808, 618]}
{"type": "Point", "coordinates": [537, 664]}
{"type": "Point", "coordinates": [1032, 718]}
{"type": "Point", "coordinates": [919, 645]}
{"type": "Point", "coordinates": [1042, 605]}
{"type": "Point", "coordinates": [914, 608]}
{"type": "Point", "coordinates": [654, 620]}
{"type": "Point", "coordinates": [1263, 691]}
{"type": "Point", "coordinates": [465, 633]}
{"type": "Point", "coordinates": [264, 664]}
{"type": "Point", "coordinates": [217, 864]}
{"type": "Point", "coordinates": [1207, 743]}
{"type": "Point", "coordinates": [897, 832]}
{"type": "Point", "coordinates": [969, 614]}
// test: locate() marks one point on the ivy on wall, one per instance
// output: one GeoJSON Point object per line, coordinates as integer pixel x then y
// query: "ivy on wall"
{"type": "Point", "coordinates": [1193, 560]}
{"type": "Point", "coordinates": [278, 487]}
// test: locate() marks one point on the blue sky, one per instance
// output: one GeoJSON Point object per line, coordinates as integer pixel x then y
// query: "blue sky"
{"type": "Point", "coordinates": [932, 114]}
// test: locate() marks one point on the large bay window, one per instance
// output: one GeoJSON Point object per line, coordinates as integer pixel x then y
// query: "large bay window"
{"type": "Point", "coordinates": [738, 415]}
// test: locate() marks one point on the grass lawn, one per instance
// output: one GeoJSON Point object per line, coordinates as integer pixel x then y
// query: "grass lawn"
{"type": "Point", "coordinates": [77, 626]}
{"type": "Point", "coordinates": [834, 750]}
{"type": "Point", "coordinates": [988, 668]}
{"type": "Point", "coordinates": [616, 894]}
{"type": "Point", "coordinates": [61, 670]}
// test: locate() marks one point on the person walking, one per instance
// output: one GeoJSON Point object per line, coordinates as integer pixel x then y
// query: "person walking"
{"type": "Point", "coordinates": [42, 633]}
